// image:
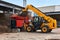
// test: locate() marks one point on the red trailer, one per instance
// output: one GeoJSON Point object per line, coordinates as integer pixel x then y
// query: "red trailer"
{"type": "Point", "coordinates": [18, 21]}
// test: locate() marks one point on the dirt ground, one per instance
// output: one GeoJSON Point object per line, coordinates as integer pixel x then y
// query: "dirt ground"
{"type": "Point", "coordinates": [55, 34]}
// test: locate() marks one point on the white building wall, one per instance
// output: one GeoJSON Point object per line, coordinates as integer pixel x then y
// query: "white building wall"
{"type": "Point", "coordinates": [57, 8]}
{"type": "Point", "coordinates": [47, 9]}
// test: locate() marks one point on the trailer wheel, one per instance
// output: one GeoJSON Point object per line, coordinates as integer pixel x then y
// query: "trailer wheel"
{"type": "Point", "coordinates": [29, 29]}
{"type": "Point", "coordinates": [45, 29]}
{"type": "Point", "coordinates": [22, 29]}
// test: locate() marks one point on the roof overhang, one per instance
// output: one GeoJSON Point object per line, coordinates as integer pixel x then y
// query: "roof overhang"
{"type": "Point", "coordinates": [9, 5]}
{"type": "Point", "coordinates": [52, 13]}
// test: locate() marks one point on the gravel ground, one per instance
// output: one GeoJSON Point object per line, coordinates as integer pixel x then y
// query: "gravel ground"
{"type": "Point", "coordinates": [55, 34]}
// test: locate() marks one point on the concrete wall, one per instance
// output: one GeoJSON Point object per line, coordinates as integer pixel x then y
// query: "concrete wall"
{"type": "Point", "coordinates": [47, 9]}
{"type": "Point", "coordinates": [50, 8]}
{"type": "Point", "coordinates": [57, 8]}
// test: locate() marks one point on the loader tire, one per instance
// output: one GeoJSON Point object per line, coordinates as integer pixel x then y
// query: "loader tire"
{"type": "Point", "coordinates": [29, 29]}
{"type": "Point", "coordinates": [45, 29]}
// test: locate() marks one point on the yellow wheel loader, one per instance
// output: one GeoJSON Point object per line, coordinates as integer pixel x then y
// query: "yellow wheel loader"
{"type": "Point", "coordinates": [43, 22]}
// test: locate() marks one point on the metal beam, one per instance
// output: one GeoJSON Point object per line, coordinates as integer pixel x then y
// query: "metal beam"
{"type": "Point", "coordinates": [9, 6]}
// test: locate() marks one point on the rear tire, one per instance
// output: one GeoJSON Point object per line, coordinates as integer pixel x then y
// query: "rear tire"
{"type": "Point", "coordinates": [45, 29]}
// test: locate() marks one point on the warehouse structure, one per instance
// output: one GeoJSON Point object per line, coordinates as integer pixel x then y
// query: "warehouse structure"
{"type": "Point", "coordinates": [6, 9]}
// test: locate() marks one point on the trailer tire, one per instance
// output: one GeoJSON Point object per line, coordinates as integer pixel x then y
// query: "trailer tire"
{"type": "Point", "coordinates": [22, 29]}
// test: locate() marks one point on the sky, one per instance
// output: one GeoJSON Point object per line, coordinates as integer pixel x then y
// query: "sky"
{"type": "Point", "coordinates": [36, 3]}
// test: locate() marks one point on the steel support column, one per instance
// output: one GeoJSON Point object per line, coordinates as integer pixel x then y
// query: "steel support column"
{"type": "Point", "coordinates": [13, 11]}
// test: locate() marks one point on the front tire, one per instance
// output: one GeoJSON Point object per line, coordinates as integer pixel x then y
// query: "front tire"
{"type": "Point", "coordinates": [29, 29]}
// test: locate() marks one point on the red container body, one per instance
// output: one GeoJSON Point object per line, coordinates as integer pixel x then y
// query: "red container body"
{"type": "Point", "coordinates": [20, 20]}
{"type": "Point", "coordinates": [19, 23]}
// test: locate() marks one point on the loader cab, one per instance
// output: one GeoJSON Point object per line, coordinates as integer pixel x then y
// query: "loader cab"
{"type": "Point", "coordinates": [37, 21]}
